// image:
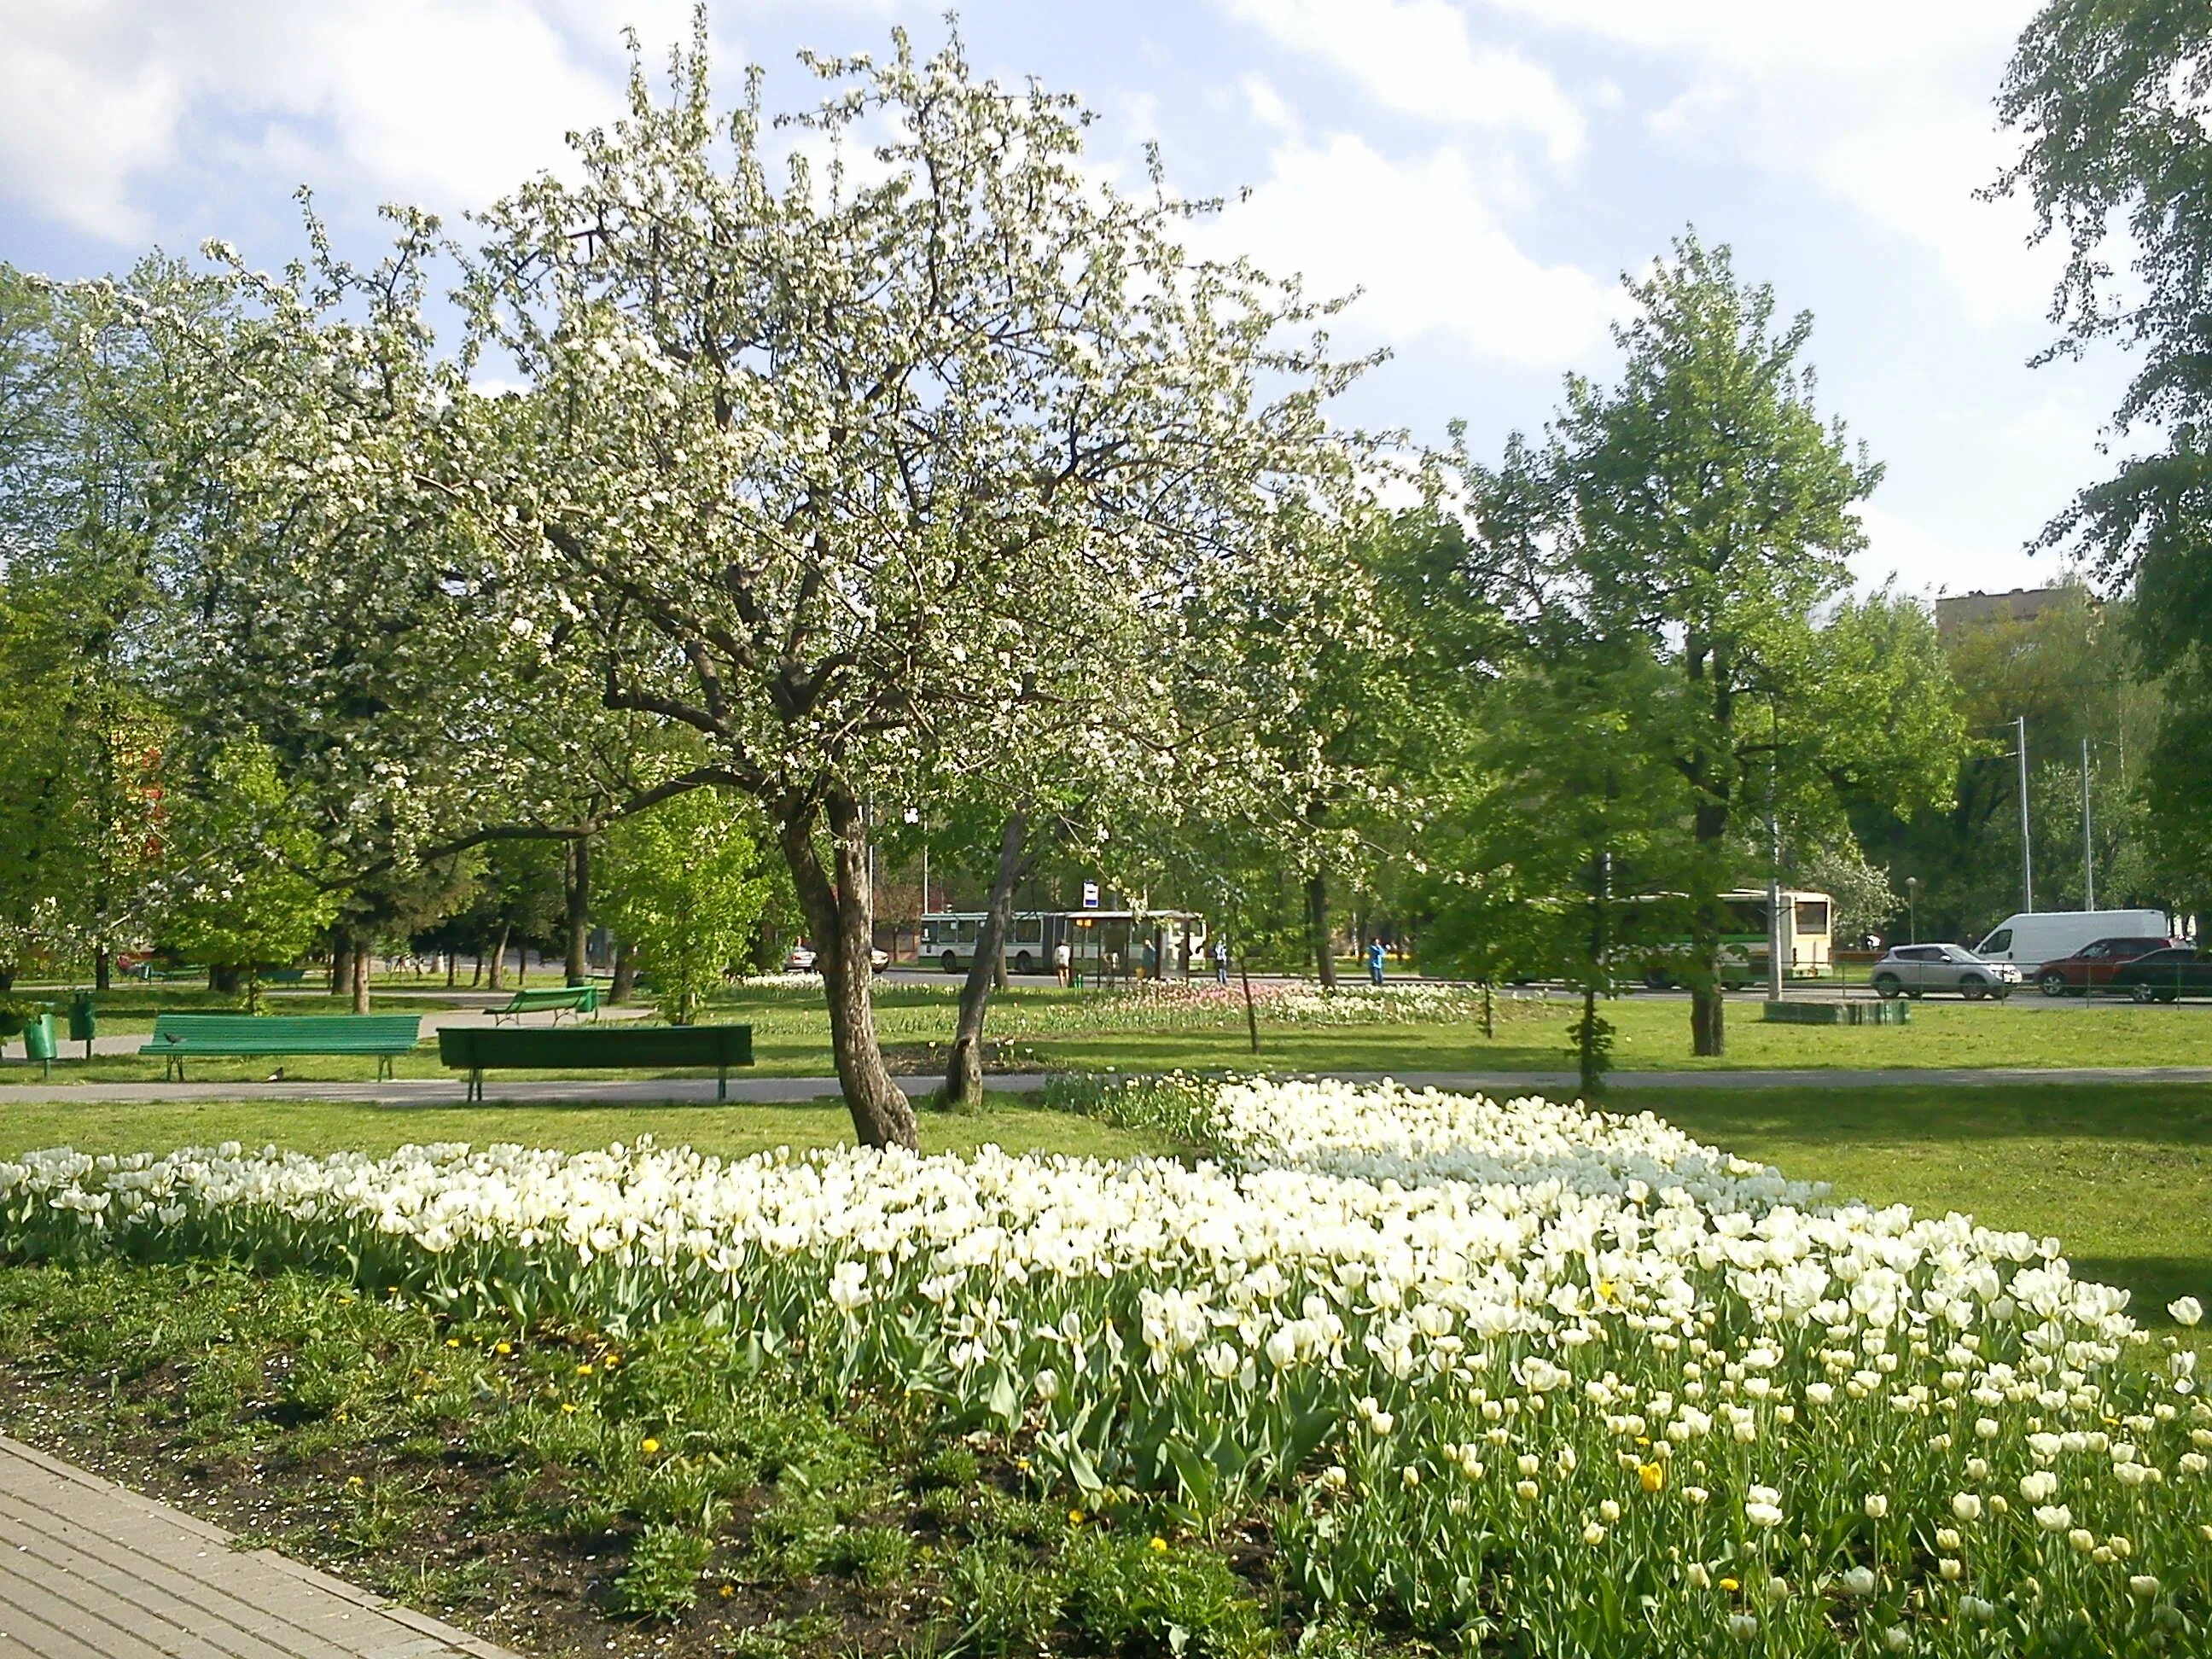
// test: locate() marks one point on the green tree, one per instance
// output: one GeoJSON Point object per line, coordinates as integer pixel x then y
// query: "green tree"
{"type": "Point", "coordinates": [239, 891]}
{"type": "Point", "coordinates": [1559, 815]}
{"type": "Point", "coordinates": [87, 512]}
{"type": "Point", "coordinates": [1705, 514]}
{"type": "Point", "coordinates": [2108, 97]}
{"type": "Point", "coordinates": [685, 886]}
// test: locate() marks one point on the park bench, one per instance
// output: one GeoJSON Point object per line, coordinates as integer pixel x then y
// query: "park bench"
{"type": "Point", "coordinates": [560, 999]}
{"type": "Point", "coordinates": [479, 1048]}
{"type": "Point", "coordinates": [178, 1036]}
{"type": "Point", "coordinates": [150, 973]}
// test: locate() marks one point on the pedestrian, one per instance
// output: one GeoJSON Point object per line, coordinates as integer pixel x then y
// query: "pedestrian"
{"type": "Point", "coordinates": [1152, 958]}
{"type": "Point", "coordinates": [1220, 959]}
{"type": "Point", "coordinates": [1375, 957]}
{"type": "Point", "coordinates": [1063, 962]}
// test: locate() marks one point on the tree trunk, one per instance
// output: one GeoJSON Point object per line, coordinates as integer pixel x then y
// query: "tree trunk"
{"type": "Point", "coordinates": [625, 983]}
{"type": "Point", "coordinates": [362, 951]}
{"type": "Point", "coordinates": [579, 909]}
{"type": "Point", "coordinates": [223, 981]}
{"type": "Point", "coordinates": [7, 978]}
{"type": "Point", "coordinates": [452, 969]}
{"type": "Point", "coordinates": [522, 965]}
{"type": "Point", "coordinates": [963, 1072]}
{"type": "Point", "coordinates": [103, 970]}
{"type": "Point", "coordinates": [1324, 944]}
{"type": "Point", "coordinates": [498, 981]}
{"type": "Point", "coordinates": [341, 965]}
{"type": "Point", "coordinates": [839, 907]}
{"type": "Point", "coordinates": [1708, 1005]}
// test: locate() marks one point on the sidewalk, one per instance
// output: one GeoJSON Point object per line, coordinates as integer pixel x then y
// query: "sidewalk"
{"type": "Point", "coordinates": [452, 1091]}
{"type": "Point", "coordinates": [89, 1570]}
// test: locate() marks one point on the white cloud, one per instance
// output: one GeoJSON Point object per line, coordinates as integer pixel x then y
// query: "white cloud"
{"type": "Point", "coordinates": [1421, 238]}
{"type": "Point", "coordinates": [1924, 562]}
{"type": "Point", "coordinates": [1266, 104]}
{"type": "Point", "coordinates": [446, 102]}
{"type": "Point", "coordinates": [1418, 56]}
{"type": "Point", "coordinates": [1887, 109]}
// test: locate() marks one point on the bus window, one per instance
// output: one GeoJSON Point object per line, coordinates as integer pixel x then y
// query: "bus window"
{"type": "Point", "coordinates": [1028, 930]}
{"type": "Point", "coordinates": [1812, 916]}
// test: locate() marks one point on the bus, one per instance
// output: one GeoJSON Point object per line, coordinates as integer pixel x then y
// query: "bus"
{"type": "Point", "coordinates": [1806, 937]}
{"type": "Point", "coordinates": [1101, 944]}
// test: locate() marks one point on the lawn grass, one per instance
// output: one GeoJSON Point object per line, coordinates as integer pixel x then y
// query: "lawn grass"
{"type": "Point", "coordinates": [791, 1039]}
{"type": "Point", "coordinates": [1653, 1034]}
{"type": "Point", "coordinates": [2121, 1174]}
{"type": "Point", "coordinates": [730, 1131]}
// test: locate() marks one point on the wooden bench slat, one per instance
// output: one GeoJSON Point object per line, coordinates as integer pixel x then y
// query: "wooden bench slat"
{"type": "Point", "coordinates": [478, 1048]}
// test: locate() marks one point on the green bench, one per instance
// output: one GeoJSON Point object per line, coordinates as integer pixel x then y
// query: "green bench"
{"type": "Point", "coordinates": [476, 1049]}
{"type": "Point", "coordinates": [179, 1035]}
{"type": "Point", "coordinates": [148, 973]}
{"type": "Point", "coordinates": [560, 999]}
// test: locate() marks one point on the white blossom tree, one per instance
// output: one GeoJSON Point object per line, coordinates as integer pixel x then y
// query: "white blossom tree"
{"type": "Point", "coordinates": [885, 465]}
{"type": "Point", "coordinates": [867, 458]}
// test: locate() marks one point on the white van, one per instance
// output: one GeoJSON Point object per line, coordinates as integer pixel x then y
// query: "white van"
{"type": "Point", "coordinates": [2032, 937]}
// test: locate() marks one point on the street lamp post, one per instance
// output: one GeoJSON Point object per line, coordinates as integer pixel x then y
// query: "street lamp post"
{"type": "Point", "coordinates": [1913, 909]}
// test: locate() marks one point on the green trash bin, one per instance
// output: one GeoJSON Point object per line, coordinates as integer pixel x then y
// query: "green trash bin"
{"type": "Point", "coordinates": [38, 1042]}
{"type": "Point", "coordinates": [83, 1021]}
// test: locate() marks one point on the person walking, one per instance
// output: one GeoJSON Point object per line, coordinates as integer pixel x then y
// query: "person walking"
{"type": "Point", "coordinates": [1220, 960]}
{"type": "Point", "coordinates": [1152, 957]}
{"type": "Point", "coordinates": [1375, 957]}
{"type": "Point", "coordinates": [1063, 962]}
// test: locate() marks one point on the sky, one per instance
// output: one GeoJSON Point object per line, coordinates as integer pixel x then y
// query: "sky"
{"type": "Point", "coordinates": [1484, 171]}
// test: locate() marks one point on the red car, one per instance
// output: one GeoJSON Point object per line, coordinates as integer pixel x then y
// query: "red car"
{"type": "Point", "coordinates": [2090, 969]}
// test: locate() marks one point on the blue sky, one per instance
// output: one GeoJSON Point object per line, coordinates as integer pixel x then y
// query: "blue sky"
{"type": "Point", "coordinates": [1484, 169]}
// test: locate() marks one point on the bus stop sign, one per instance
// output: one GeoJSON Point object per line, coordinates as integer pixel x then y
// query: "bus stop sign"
{"type": "Point", "coordinates": [1090, 896]}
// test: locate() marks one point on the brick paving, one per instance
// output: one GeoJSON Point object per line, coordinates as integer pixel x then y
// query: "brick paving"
{"type": "Point", "coordinates": [89, 1570]}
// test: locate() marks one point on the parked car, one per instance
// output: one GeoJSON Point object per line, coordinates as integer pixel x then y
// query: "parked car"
{"type": "Point", "coordinates": [2180, 970]}
{"type": "Point", "coordinates": [2090, 969]}
{"type": "Point", "coordinates": [2028, 939]}
{"type": "Point", "coordinates": [804, 959]}
{"type": "Point", "coordinates": [1915, 970]}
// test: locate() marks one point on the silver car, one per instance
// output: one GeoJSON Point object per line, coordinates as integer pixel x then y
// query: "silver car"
{"type": "Point", "coordinates": [1915, 970]}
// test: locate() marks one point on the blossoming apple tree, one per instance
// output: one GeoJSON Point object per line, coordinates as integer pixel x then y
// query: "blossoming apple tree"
{"type": "Point", "coordinates": [881, 447]}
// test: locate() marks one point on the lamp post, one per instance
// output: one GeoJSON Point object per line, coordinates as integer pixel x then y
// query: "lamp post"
{"type": "Point", "coordinates": [1913, 909]}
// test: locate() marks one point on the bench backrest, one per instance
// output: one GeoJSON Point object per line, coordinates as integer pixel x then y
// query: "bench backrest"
{"type": "Point", "coordinates": [589, 1045]}
{"type": "Point", "coordinates": [560, 996]}
{"type": "Point", "coordinates": [269, 1031]}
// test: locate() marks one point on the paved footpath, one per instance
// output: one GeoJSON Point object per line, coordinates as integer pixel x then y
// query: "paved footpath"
{"type": "Point", "coordinates": [92, 1571]}
{"type": "Point", "coordinates": [760, 1090]}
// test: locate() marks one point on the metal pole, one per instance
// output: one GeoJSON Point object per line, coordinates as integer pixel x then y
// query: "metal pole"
{"type": "Point", "coordinates": [2027, 856]}
{"type": "Point", "coordinates": [1774, 934]}
{"type": "Point", "coordinates": [2088, 844]}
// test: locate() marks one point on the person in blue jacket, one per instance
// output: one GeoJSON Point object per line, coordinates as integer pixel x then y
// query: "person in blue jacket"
{"type": "Point", "coordinates": [1374, 960]}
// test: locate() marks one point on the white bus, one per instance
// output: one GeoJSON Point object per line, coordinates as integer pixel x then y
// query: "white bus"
{"type": "Point", "coordinates": [1807, 920]}
{"type": "Point", "coordinates": [1101, 944]}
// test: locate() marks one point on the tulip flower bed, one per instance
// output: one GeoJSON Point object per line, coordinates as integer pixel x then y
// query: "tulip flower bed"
{"type": "Point", "coordinates": [1201, 1004]}
{"type": "Point", "coordinates": [1519, 1373]}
